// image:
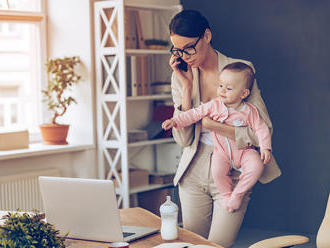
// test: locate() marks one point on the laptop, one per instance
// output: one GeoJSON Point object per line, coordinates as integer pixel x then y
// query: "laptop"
{"type": "Point", "coordinates": [86, 209]}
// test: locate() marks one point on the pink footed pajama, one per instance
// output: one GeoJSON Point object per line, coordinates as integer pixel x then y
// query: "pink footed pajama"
{"type": "Point", "coordinates": [226, 155]}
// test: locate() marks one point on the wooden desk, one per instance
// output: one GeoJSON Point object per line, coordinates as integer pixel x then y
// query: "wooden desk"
{"type": "Point", "coordinates": [142, 217]}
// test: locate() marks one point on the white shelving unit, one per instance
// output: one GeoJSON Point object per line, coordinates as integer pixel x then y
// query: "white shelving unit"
{"type": "Point", "coordinates": [112, 99]}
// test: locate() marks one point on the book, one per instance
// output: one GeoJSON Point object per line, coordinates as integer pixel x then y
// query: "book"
{"type": "Point", "coordinates": [144, 79]}
{"type": "Point", "coordinates": [130, 29]}
{"type": "Point", "coordinates": [139, 75]}
{"type": "Point", "coordinates": [139, 33]}
{"type": "Point", "coordinates": [14, 139]}
{"type": "Point", "coordinates": [134, 80]}
{"type": "Point", "coordinates": [134, 38]}
{"type": "Point", "coordinates": [128, 76]}
{"type": "Point", "coordinates": [127, 27]}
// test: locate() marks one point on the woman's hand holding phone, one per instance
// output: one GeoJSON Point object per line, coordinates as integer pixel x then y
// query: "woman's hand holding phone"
{"type": "Point", "coordinates": [184, 77]}
{"type": "Point", "coordinates": [183, 66]}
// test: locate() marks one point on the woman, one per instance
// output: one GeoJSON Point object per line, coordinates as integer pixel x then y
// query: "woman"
{"type": "Point", "coordinates": [200, 200]}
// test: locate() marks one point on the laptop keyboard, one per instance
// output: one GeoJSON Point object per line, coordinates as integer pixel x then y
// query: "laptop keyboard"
{"type": "Point", "coordinates": [127, 234]}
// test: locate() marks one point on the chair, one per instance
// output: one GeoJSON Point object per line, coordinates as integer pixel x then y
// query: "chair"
{"type": "Point", "coordinates": [322, 238]}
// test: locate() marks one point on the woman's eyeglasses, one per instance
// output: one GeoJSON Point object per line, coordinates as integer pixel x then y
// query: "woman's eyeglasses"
{"type": "Point", "coordinates": [177, 52]}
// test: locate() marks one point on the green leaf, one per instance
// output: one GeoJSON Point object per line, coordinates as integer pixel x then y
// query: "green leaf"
{"type": "Point", "coordinates": [61, 78]}
{"type": "Point", "coordinates": [28, 230]}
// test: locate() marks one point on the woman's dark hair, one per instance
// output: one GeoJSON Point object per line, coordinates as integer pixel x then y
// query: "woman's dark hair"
{"type": "Point", "coordinates": [189, 23]}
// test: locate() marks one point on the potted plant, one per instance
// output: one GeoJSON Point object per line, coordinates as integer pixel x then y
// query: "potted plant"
{"type": "Point", "coordinates": [27, 230]}
{"type": "Point", "coordinates": [61, 78]}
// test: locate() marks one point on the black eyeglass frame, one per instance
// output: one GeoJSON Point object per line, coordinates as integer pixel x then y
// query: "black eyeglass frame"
{"type": "Point", "coordinates": [177, 52]}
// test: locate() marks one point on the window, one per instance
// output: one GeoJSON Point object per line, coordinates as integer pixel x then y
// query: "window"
{"type": "Point", "coordinates": [22, 50]}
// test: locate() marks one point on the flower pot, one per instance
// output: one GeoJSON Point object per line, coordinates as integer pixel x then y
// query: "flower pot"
{"type": "Point", "coordinates": [54, 134]}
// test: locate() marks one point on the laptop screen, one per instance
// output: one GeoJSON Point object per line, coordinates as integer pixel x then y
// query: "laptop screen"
{"type": "Point", "coordinates": [84, 208]}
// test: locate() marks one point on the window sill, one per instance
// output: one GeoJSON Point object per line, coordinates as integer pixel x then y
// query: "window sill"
{"type": "Point", "coordinates": [40, 149]}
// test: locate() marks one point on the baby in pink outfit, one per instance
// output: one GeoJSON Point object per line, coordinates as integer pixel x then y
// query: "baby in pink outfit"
{"type": "Point", "coordinates": [235, 82]}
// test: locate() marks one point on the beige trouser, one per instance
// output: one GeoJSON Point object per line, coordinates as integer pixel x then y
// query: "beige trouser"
{"type": "Point", "coordinates": [202, 212]}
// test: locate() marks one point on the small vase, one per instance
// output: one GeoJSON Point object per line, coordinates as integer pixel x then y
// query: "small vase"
{"type": "Point", "coordinates": [323, 237]}
{"type": "Point", "coordinates": [54, 134]}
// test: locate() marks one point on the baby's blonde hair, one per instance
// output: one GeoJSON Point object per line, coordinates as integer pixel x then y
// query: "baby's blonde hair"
{"type": "Point", "coordinates": [242, 67]}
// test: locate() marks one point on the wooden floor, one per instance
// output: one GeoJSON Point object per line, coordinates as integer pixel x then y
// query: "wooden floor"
{"type": "Point", "coordinates": [247, 237]}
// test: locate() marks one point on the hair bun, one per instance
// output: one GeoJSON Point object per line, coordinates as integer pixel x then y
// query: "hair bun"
{"type": "Point", "coordinates": [189, 23]}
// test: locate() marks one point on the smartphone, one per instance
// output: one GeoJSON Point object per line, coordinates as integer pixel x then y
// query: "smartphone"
{"type": "Point", "coordinates": [183, 66]}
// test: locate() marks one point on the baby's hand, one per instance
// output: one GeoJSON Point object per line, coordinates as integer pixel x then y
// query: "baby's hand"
{"type": "Point", "coordinates": [265, 156]}
{"type": "Point", "coordinates": [168, 124]}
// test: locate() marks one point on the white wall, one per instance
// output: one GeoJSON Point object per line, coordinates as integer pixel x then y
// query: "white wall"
{"type": "Point", "coordinates": [69, 34]}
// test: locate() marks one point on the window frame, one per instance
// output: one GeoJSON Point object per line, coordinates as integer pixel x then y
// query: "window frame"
{"type": "Point", "coordinates": [37, 18]}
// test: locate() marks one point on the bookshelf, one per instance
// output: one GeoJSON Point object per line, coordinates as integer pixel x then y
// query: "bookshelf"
{"type": "Point", "coordinates": [123, 61]}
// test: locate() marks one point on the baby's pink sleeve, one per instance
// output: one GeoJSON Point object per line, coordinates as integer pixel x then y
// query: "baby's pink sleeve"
{"type": "Point", "coordinates": [260, 128]}
{"type": "Point", "coordinates": [193, 115]}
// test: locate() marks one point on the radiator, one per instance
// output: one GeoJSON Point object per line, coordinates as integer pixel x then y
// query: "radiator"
{"type": "Point", "coordinates": [21, 191]}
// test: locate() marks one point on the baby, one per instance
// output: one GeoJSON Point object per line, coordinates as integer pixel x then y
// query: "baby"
{"type": "Point", "coordinates": [235, 82]}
